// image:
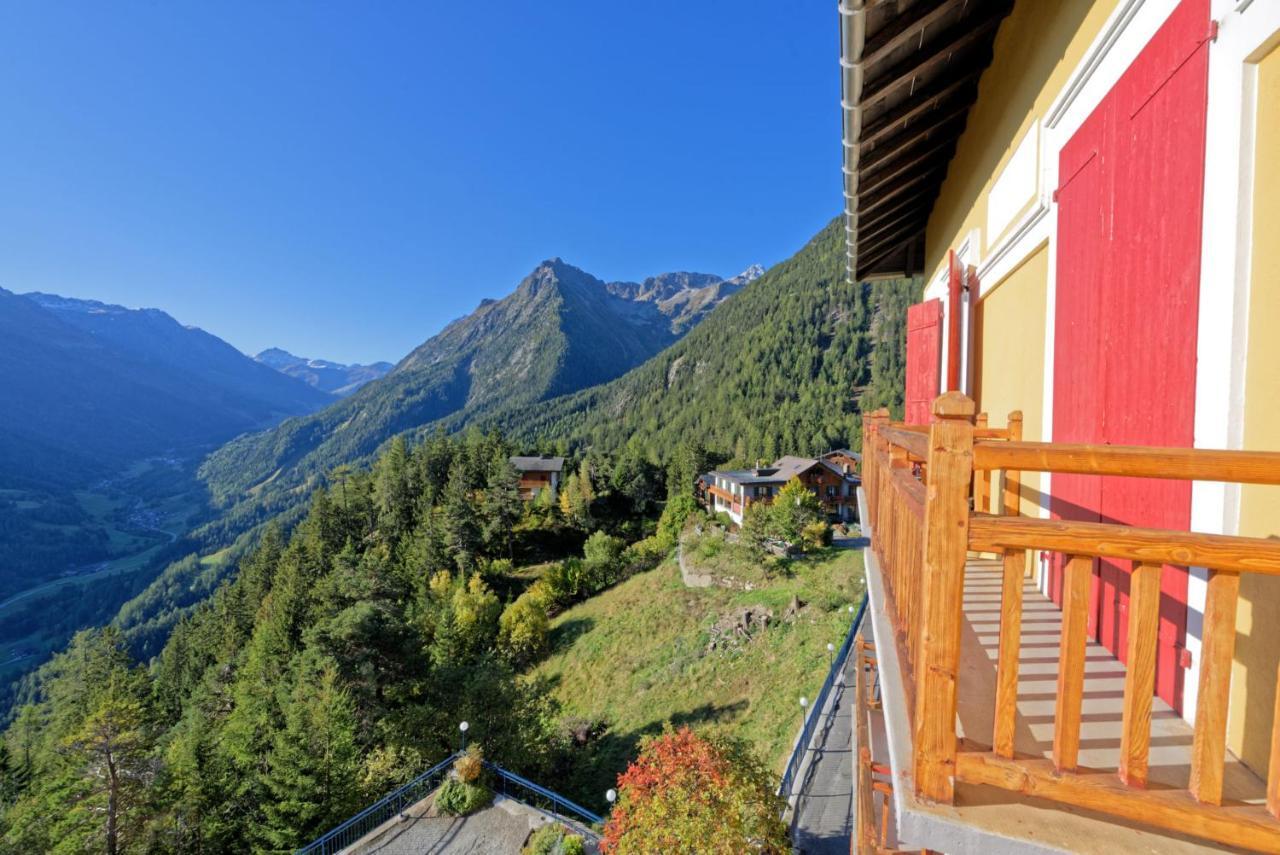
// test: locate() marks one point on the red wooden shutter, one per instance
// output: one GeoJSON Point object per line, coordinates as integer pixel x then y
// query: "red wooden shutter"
{"type": "Point", "coordinates": [1127, 297]}
{"type": "Point", "coordinates": [924, 359]}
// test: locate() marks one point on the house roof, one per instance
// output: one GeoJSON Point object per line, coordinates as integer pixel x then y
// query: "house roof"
{"type": "Point", "coordinates": [538, 464]}
{"type": "Point", "coordinates": [783, 470]}
{"type": "Point", "coordinates": [909, 74]}
{"type": "Point", "coordinates": [842, 452]}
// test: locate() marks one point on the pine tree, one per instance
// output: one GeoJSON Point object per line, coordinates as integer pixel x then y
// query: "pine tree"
{"type": "Point", "coordinates": [392, 490]}
{"type": "Point", "coordinates": [8, 777]}
{"type": "Point", "coordinates": [502, 505]}
{"type": "Point", "coordinates": [314, 761]}
{"type": "Point", "coordinates": [107, 767]}
{"type": "Point", "coordinates": [461, 527]}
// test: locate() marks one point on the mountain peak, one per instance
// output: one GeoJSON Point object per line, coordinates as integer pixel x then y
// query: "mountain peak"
{"type": "Point", "coordinates": [751, 274]}
{"type": "Point", "coordinates": [333, 377]}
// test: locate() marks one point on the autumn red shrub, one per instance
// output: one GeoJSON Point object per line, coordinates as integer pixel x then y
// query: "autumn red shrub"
{"type": "Point", "coordinates": [692, 793]}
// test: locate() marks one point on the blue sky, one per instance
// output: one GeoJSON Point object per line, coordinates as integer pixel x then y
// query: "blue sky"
{"type": "Point", "coordinates": [342, 179]}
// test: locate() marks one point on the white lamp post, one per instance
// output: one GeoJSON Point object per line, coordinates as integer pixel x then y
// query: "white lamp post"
{"type": "Point", "coordinates": [611, 796]}
{"type": "Point", "coordinates": [462, 729]}
{"type": "Point", "coordinates": [804, 705]}
{"type": "Point", "coordinates": [831, 654]}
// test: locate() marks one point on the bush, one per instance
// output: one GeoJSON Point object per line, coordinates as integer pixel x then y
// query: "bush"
{"type": "Point", "coordinates": [794, 508]}
{"type": "Point", "coordinates": [498, 567]}
{"type": "Point", "coordinates": [554, 840]}
{"type": "Point", "coordinates": [691, 793]}
{"type": "Point", "coordinates": [674, 516]}
{"type": "Point", "coordinates": [470, 766]}
{"type": "Point", "coordinates": [815, 535]}
{"type": "Point", "coordinates": [456, 798]}
{"type": "Point", "coordinates": [562, 581]}
{"type": "Point", "coordinates": [542, 593]}
{"type": "Point", "coordinates": [602, 548]}
{"type": "Point", "coordinates": [523, 629]}
{"type": "Point", "coordinates": [644, 554]}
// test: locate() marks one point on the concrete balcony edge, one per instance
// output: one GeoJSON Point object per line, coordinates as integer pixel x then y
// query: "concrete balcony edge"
{"type": "Point", "coordinates": [919, 825]}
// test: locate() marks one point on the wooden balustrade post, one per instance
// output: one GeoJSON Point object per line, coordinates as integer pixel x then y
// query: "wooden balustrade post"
{"type": "Point", "coordinates": [981, 478]}
{"type": "Point", "coordinates": [1006, 711]}
{"type": "Point", "coordinates": [946, 542]}
{"type": "Point", "coordinates": [1075, 627]}
{"type": "Point", "coordinates": [1273, 766]}
{"type": "Point", "coordinates": [1208, 752]}
{"type": "Point", "coordinates": [1013, 478]}
{"type": "Point", "coordinates": [1140, 672]}
{"type": "Point", "coordinates": [872, 476]}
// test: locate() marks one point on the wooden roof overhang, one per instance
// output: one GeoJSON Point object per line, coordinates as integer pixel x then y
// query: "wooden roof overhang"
{"type": "Point", "coordinates": [909, 73]}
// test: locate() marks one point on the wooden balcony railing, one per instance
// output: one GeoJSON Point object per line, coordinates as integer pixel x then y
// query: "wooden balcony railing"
{"type": "Point", "coordinates": [928, 493]}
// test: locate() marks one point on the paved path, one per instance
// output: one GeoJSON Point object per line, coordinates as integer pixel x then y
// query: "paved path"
{"type": "Point", "coordinates": [824, 810]}
{"type": "Point", "coordinates": [501, 829]}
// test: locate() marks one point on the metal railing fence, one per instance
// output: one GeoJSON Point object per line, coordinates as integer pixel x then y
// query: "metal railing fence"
{"type": "Point", "coordinates": [814, 713]}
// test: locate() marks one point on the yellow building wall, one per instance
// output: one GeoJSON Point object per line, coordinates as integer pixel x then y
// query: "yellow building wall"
{"type": "Point", "coordinates": [1037, 48]}
{"type": "Point", "coordinates": [1009, 361]}
{"type": "Point", "coordinates": [1253, 681]}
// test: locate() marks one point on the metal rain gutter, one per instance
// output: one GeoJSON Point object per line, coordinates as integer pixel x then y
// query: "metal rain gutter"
{"type": "Point", "coordinates": [853, 28]}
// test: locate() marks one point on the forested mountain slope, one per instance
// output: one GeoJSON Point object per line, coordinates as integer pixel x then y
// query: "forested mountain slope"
{"type": "Point", "coordinates": [560, 331]}
{"type": "Point", "coordinates": [115, 384]}
{"type": "Point", "coordinates": [785, 367]}
{"type": "Point", "coordinates": [89, 390]}
{"type": "Point", "coordinates": [234, 382]}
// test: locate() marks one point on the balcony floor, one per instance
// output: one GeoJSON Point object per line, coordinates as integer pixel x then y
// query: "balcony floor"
{"type": "Point", "coordinates": [991, 820]}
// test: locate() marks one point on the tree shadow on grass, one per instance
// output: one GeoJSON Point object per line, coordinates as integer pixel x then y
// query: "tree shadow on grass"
{"type": "Point", "coordinates": [563, 636]}
{"type": "Point", "coordinates": [586, 772]}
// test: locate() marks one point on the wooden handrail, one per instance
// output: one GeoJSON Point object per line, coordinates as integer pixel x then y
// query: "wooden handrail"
{"type": "Point", "coordinates": [916, 444]}
{"type": "Point", "coordinates": [913, 492]}
{"type": "Point", "coordinates": [1185, 464]}
{"type": "Point", "coordinates": [1105, 540]}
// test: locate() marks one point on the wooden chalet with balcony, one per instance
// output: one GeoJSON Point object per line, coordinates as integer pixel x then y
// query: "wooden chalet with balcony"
{"type": "Point", "coordinates": [538, 474]}
{"type": "Point", "coordinates": [1073, 637]}
{"type": "Point", "coordinates": [831, 480]}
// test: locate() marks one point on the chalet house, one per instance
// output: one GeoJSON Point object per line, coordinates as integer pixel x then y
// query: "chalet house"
{"type": "Point", "coordinates": [850, 462]}
{"type": "Point", "coordinates": [538, 474]}
{"type": "Point", "coordinates": [732, 491]}
{"type": "Point", "coordinates": [1090, 190]}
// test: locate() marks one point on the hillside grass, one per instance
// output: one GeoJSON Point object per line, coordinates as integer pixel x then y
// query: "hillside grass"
{"type": "Point", "coordinates": [636, 657]}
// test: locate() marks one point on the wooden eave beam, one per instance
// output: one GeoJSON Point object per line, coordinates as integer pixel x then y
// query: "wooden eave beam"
{"type": "Point", "coordinates": [932, 172]}
{"type": "Point", "coordinates": [890, 39]}
{"type": "Point", "coordinates": [886, 248]}
{"type": "Point", "coordinates": [928, 142]}
{"type": "Point", "coordinates": [915, 108]}
{"type": "Point", "coordinates": [914, 199]}
{"type": "Point", "coordinates": [893, 236]}
{"type": "Point", "coordinates": [893, 145]}
{"type": "Point", "coordinates": [868, 237]}
{"type": "Point", "coordinates": [918, 160]}
{"type": "Point", "coordinates": [964, 34]}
